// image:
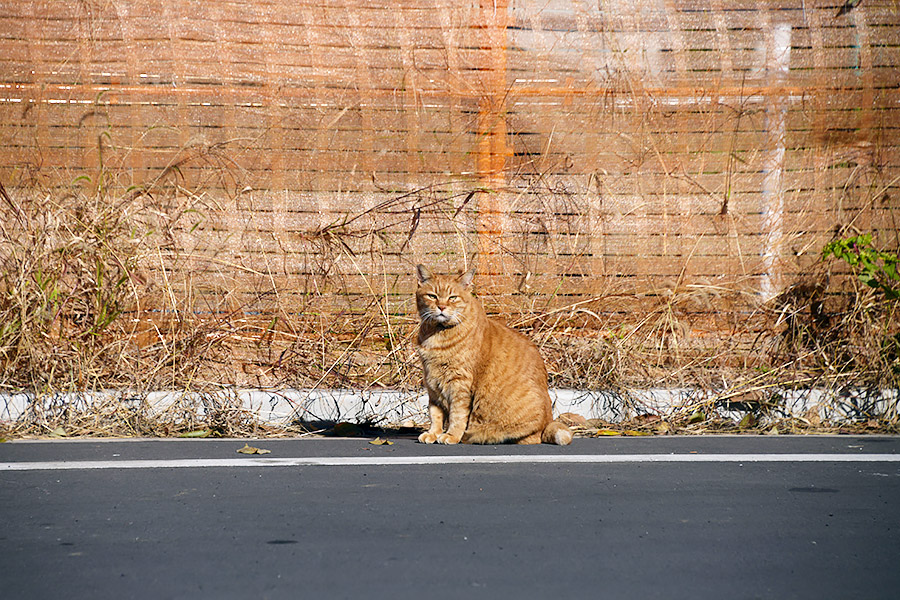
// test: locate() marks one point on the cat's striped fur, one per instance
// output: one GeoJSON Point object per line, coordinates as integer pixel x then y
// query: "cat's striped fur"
{"type": "Point", "coordinates": [486, 382]}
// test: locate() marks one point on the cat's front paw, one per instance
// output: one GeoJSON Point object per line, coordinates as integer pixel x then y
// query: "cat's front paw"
{"type": "Point", "coordinates": [446, 438]}
{"type": "Point", "coordinates": [428, 438]}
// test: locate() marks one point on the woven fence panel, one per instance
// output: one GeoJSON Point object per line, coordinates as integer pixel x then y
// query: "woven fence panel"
{"type": "Point", "coordinates": [572, 150]}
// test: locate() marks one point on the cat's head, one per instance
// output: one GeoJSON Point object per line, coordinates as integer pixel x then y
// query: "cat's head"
{"type": "Point", "coordinates": [442, 299]}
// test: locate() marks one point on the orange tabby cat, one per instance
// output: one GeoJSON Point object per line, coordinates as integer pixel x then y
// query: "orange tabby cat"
{"type": "Point", "coordinates": [486, 382]}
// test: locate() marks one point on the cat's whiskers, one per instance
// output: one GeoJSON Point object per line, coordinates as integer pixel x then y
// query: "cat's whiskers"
{"type": "Point", "coordinates": [441, 317]}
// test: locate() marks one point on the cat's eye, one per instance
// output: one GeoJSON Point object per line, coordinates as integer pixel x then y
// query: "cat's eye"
{"type": "Point", "coordinates": [453, 298]}
{"type": "Point", "coordinates": [431, 296]}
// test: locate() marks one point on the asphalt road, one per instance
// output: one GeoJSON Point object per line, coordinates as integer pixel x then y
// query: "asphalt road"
{"type": "Point", "coordinates": [777, 518]}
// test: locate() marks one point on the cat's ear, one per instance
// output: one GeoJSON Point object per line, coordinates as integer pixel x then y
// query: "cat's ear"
{"type": "Point", "coordinates": [422, 273]}
{"type": "Point", "coordinates": [467, 277]}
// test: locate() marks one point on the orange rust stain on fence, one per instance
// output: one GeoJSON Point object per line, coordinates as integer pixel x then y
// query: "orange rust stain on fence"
{"type": "Point", "coordinates": [492, 147]}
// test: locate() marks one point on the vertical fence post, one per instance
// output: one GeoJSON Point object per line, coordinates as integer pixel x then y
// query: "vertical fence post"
{"type": "Point", "coordinates": [492, 150]}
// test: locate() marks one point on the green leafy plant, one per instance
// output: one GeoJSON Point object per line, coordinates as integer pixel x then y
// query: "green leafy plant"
{"type": "Point", "coordinates": [875, 268]}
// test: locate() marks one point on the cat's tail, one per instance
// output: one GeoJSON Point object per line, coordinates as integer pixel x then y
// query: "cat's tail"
{"type": "Point", "coordinates": [556, 433]}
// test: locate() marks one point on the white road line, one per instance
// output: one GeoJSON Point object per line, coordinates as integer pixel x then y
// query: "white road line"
{"type": "Point", "coordinates": [367, 461]}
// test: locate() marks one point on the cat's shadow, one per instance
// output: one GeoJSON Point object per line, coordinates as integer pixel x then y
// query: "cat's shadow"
{"type": "Point", "coordinates": [345, 429]}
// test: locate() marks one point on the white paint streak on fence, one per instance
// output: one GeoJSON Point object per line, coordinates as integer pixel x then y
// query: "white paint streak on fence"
{"type": "Point", "coordinates": [778, 62]}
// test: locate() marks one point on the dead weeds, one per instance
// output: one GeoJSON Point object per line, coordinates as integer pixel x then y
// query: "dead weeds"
{"type": "Point", "coordinates": [98, 292]}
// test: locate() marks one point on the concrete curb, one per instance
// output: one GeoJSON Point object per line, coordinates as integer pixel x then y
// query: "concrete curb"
{"type": "Point", "coordinates": [282, 407]}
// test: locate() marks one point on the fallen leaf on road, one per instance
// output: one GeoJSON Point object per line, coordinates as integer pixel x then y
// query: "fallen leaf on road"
{"type": "Point", "coordinates": [58, 433]}
{"type": "Point", "coordinates": [633, 432]}
{"type": "Point", "coordinates": [606, 432]}
{"type": "Point", "coordinates": [380, 442]}
{"type": "Point", "coordinates": [248, 449]}
{"type": "Point", "coordinates": [199, 433]}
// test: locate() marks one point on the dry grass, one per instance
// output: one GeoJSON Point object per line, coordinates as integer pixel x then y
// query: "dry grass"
{"type": "Point", "coordinates": [69, 275]}
{"type": "Point", "coordinates": [98, 292]}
